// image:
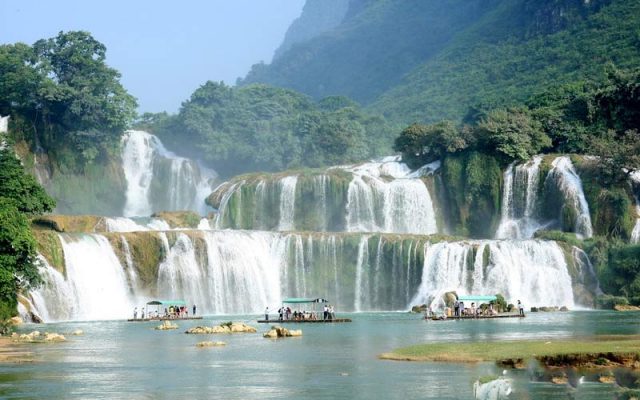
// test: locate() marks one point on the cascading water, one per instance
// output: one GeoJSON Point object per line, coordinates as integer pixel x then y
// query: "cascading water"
{"type": "Point", "coordinates": [567, 181]}
{"type": "Point", "coordinates": [244, 271]}
{"type": "Point", "coordinates": [95, 287]}
{"type": "Point", "coordinates": [532, 271]}
{"type": "Point", "coordinates": [380, 196]}
{"type": "Point", "coordinates": [519, 201]}
{"type": "Point", "coordinates": [635, 234]}
{"type": "Point", "coordinates": [400, 205]}
{"type": "Point", "coordinates": [287, 203]}
{"type": "Point", "coordinates": [158, 180]}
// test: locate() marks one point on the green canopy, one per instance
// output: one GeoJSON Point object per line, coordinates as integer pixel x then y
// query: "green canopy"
{"type": "Point", "coordinates": [167, 303]}
{"type": "Point", "coordinates": [477, 299]}
{"type": "Point", "coordinates": [297, 300]}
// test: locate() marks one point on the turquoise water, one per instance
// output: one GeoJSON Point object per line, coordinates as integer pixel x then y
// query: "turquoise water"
{"type": "Point", "coordinates": [116, 360]}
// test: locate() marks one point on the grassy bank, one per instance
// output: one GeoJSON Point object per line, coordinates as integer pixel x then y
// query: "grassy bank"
{"type": "Point", "coordinates": [600, 351]}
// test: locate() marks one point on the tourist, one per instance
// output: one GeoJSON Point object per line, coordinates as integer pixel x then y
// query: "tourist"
{"type": "Point", "coordinates": [521, 308]}
{"type": "Point", "coordinates": [473, 309]}
{"type": "Point", "coordinates": [266, 314]}
{"type": "Point", "coordinates": [456, 308]}
{"type": "Point", "coordinates": [461, 308]}
{"type": "Point", "coordinates": [332, 314]}
{"type": "Point", "coordinates": [142, 312]}
{"type": "Point", "coordinates": [326, 312]}
{"type": "Point", "coordinates": [194, 310]}
{"type": "Point", "coordinates": [135, 313]}
{"type": "Point", "coordinates": [288, 313]}
{"type": "Point", "coordinates": [280, 312]}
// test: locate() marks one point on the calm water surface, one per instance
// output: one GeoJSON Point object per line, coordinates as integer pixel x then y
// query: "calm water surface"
{"type": "Point", "coordinates": [118, 360]}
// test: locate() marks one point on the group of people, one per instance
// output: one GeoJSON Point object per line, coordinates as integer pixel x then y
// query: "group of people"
{"type": "Point", "coordinates": [171, 313]}
{"type": "Point", "coordinates": [286, 314]}
{"type": "Point", "coordinates": [459, 310]}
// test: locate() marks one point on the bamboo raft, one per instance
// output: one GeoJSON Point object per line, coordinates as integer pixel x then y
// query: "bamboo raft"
{"type": "Point", "coordinates": [303, 321]}
{"type": "Point", "coordinates": [161, 319]}
{"type": "Point", "coordinates": [476, 317]}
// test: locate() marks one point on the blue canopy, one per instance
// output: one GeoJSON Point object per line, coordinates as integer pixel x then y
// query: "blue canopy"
{"type": "Point", "coordinates": [477, 299]}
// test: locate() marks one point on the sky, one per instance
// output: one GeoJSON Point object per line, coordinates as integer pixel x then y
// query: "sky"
{"type": "Point", "coordinates": [164, 50]}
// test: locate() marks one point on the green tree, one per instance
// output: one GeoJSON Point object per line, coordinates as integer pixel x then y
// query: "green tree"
{"type": "Point", "coordinates": [20, 188]}
{"type": "Point", "coordinates": [20, 196]}
{"type": "Point", "coordinates": [420, 144]}
{"type": "Point", "coordinates": [512, 134]}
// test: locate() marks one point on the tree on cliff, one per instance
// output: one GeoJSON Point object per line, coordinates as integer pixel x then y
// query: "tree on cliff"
{"type": "Point", "coordinates": [20, 196]}
{"type": "Point", "coordinates": [62, 89]}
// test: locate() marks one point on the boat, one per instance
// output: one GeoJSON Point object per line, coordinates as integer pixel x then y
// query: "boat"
{"type": "Point", "coordinates": [314, 316]}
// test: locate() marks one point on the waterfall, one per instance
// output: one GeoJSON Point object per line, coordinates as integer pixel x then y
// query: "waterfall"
{"type": "Point", "coordinates": [158, 180]}
{"type": "Point", "coordinates": [229, 272]}
{"type": "Point", "coordinates": [287, 203]}
{"type": "Point", "coordinates": [568, 183]}
{"type": "Point", "coordinates": [399, 205]}
{"type": "Point", "coordinates": [96, 285]}
{"type": "Point", "coordinates": [379, 196]}
{"type": "Point", "coordinates": [635, 234]}
{"type": "Point", "coordinates": [122, 224]}
{"type": "Point", "coordinates": [531, 270]}
{"type": "Point", "coordinates": [519, 201]}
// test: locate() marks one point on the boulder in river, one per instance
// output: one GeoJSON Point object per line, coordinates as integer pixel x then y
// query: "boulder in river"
{"type": "Point", "coordinates": [230, 327]}
{"type": "Point", "coordinates": [166, 325]}
{"type": "Point", "coordinates": [278, 332]}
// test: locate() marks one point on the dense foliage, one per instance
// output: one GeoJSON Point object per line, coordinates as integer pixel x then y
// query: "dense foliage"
{"type": "Point", "coordinates": [61, 93]}
{"type": "Point", "coordinates": [20, 197]}
{"type": "Point", "coordinates": [259, 127]}
{"type": "Point", "coordinates": [597, 118]}
{"type": "Point", "coordinates": [424, 61]}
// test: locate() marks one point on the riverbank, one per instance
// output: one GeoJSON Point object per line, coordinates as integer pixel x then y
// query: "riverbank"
{"type": "Point", "coordinates": [599, 351]}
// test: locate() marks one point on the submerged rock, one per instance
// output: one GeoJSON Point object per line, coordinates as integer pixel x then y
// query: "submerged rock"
{"type": "Point", "coordinates": [210, 344]}
{"type": "Point", "coordinates": [54, 337]}
{"type": "Point", "coordinates": [77, 332]}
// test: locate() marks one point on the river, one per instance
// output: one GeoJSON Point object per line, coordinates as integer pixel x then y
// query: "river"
{"type": "Point", "coordinates": [117, 359]}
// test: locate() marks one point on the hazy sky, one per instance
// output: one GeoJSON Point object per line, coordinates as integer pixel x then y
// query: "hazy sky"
{"type": "Point", "coordinates": [163, 49]}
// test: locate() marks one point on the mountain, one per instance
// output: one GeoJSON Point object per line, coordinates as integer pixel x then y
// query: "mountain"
{"type": "Point", "coordinates": [429, 60]}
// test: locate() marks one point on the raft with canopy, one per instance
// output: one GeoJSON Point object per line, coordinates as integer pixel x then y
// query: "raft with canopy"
{"type": "Point", "coordinates": [304, 310]}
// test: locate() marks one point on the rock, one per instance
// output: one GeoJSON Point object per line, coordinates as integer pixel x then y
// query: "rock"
{"type": "Point", "coordinates": [15, 321]}
{"type": "Point", "coordinates": [271, 334]}
{"type": "Point", "coordinates": [77, 332]}
{"type": "Point", "coordinates": [450, 298]}
{"type": "Point", "coordinates": [564, 308]}
{"type": "Point", "coordinates": [278, 332]}
{"type": "Point", "coordinates": [166, 325]}
{"type": "Point", "coordinates": [240, 327]}
{"type": "Point", "coordinates": [234, 327]}
{"type": "Point", "coordinates": [54, 337]}
{"type": "Point", "coordinates": [621, 307]}
{"type": "Point", "coordinates": [559, 380]}
{"type": "Point", "coordinates": [419, 309]}
{"type": "Point", "coordinates": [534, 309]}
{"type": "Point", "coordinates": [35, 318]}
{"type": "Point", "coordinates": [210, 344]}
{"type": "Point", "coordinates": [607, 379]}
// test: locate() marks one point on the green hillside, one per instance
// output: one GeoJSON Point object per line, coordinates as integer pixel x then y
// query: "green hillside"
{"type": "Point", "coordinates": [430, 60]}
